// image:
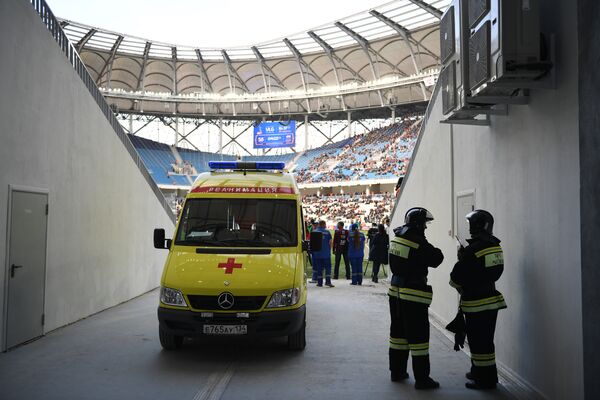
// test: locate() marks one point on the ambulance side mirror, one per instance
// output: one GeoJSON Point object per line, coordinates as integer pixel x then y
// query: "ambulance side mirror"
{"type": "Point", "coordinates": [316, 241]}
{"type": "Point", "coordinates": [159, 239]}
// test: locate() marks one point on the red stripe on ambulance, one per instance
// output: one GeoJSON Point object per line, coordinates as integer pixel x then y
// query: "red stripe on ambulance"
{"type": "Point", "coordinates": [243, 189]}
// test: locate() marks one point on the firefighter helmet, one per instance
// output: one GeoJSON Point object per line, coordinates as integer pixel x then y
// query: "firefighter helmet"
{"type": "Point", "coordinates": [480, 221]}
{"type": "Point", "coordinates": [417, 217]}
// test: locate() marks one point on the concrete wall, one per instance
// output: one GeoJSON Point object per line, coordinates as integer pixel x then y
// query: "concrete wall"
{"type": "Point", "coordinates": [589, 157]}
{"type": "Point", "coordinates": [102, 211]}
{"type": "Point", "coordinates": [524, 168]}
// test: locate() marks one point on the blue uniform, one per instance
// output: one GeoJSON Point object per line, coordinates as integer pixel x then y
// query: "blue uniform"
{"type": "Point", "coordinates": [356, 254]}
{"type": "Point", "coordinates": [322, 258]}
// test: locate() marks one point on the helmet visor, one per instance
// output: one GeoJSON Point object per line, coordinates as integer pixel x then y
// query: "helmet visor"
{"type": "Point", "coordinates": [428, 217]}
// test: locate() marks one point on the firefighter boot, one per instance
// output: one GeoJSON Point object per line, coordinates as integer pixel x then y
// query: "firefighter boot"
{"type": "Point", "coordinates": [426, 383]}
{"type": "Point", "coordinates": [397, 376]}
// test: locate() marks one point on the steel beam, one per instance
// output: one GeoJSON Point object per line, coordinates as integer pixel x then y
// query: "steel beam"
{"type": "Point", "coordinates": [265, 68]}
{"type": "Point", "coordinates": [176, 130]}
{"type": "Point", "coordinates": [330, 55]}
{"type": "Point", "coordinates": [364, 43]}
{"type": "Point", "coordinates": [85, 39]}
{"type": "Point", "coordinates": [261, 62]}
{"type": "Point", "coordinates": [150, 120]}
{"type": "Point", "coordinates": [268, 69]}
{"type": "Point", "coordinates": [204, 77]}
{"type": "Point", "coordinates": [142, 76]}
{"type": "Point", "coordinates": [330, 52]}
{"type": "Point", "coordinates": [428, 7]}
{"type": "Point", "coordinates": [174, 63]}
{"type": "Point", "coordinates": [232, 72]}
{"type": "Point", "coordinates": [301, 63]}
{"type": "Point", "coordinates": [404, 34]}
{"type": "Point", "coordinates": [233, 139]}
{"type": "Point", "coordinates": [321, 132]}
{"type": "Point", "coordinates": [113, 52]}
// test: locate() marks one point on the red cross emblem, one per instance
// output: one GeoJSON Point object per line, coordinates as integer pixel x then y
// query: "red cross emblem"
{"type": "Point", "coordinates": [229, 265]}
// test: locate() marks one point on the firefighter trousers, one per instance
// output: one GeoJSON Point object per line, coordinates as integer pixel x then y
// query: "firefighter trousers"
{"type": "Point", "coordinates": [480, 334]}
{"type": "Point", "coordinates": [409, 331]}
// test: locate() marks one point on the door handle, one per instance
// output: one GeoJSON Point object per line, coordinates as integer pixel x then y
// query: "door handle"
{"type": "Point", "coordinates": [12, 269]}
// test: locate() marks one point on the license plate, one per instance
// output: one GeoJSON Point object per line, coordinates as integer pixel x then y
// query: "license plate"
{"type": "Point", "coordinates": [225, 329]}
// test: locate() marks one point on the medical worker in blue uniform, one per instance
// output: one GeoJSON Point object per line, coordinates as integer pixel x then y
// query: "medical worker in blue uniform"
{"type": "Point", "coordinates": [322, 258]}
{"type": "Point", "coordinates": [356, 253]}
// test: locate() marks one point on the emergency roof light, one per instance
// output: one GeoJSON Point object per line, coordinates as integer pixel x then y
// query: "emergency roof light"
{"type": "Point", "coordinates": [260, 165]}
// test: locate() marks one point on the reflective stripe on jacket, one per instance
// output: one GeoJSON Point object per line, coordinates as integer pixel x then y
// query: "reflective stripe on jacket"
{"type": "Point", "coordinates": [410, 294]}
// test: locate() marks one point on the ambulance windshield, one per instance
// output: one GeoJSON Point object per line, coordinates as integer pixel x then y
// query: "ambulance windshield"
{"type": "Point", "coordinates": [238, 223]}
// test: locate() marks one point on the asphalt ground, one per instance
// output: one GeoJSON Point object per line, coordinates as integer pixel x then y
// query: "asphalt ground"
{"type": "Point", "coordinates": [116, 354]}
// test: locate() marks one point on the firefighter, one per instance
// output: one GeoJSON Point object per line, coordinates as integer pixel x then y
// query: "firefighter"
{"type": "Point", "coordinates": [410, 257]}
{"type": "Point", "coordinates": [479, 266]}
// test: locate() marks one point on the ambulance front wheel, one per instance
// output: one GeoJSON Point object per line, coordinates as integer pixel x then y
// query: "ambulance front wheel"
{"type": "Point", "coordinates": [297, 341]}
{"type": "Point", "coordinates": [168, 341]}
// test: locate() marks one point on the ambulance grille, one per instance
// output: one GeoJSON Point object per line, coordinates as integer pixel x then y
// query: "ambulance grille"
{"type": "Point", "coordinates": [245, 303]}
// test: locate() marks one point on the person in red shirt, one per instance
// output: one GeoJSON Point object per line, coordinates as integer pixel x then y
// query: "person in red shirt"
{"type": "Point", "coordinates": [340, 249]}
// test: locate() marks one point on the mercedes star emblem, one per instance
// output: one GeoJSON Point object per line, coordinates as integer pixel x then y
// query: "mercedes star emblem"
{"type": "Point", "coordinates": [225, 300]}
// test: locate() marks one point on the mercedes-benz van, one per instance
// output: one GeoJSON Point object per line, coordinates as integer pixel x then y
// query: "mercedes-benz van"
{"type": "Point", "coordinates": [237, 262]}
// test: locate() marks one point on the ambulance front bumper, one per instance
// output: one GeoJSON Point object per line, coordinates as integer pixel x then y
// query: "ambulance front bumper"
{"type": "Point", "coordinates": [264, 324]}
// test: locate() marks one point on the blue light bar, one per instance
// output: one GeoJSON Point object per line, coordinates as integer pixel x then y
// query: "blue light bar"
{"type": "Point", "coordinates": [270, 165]}
{"type": "Point", "coordinates": [222, 164]}
{"type": "Point", "coordinates": [261, 165]}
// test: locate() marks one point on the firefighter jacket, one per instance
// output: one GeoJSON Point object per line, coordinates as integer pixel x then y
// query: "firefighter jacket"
{"type": "Point", "coordinates": [479, 266]}
{"type": "Point", "coordinates": [411, 255]}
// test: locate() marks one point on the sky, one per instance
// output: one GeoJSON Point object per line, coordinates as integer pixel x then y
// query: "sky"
{"type": "Point", "coordinates": [204, 23]}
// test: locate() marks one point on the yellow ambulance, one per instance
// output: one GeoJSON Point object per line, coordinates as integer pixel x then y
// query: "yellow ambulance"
{"type": "Point", "coordinates": [237, 262]}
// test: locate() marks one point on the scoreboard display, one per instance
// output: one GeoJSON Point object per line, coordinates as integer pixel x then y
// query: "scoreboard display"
{"type": "Point", "coordinates": [274, 134]}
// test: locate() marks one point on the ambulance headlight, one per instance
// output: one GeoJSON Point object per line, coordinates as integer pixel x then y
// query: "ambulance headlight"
{"type": "Point", "coordinates": [284, 298]}
{"type": "Point", "coordinates": [172, 297]}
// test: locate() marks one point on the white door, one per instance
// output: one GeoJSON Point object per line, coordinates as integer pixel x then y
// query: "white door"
{"type": "Point", "coordinates": [465, 203]}
{"type": "Point", "coordinates": [26, 266]}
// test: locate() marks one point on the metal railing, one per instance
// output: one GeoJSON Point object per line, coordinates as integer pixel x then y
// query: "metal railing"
{"type": "Point", "coordinates": [48, 18]}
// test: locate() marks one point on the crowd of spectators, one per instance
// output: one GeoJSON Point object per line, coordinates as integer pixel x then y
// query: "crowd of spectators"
{"type": "Point", "coordinates": [381, 153]}
{"type": "Point", "coordinates": [184, 168]}
{"type": "Point", "coordinates": [358, 208]}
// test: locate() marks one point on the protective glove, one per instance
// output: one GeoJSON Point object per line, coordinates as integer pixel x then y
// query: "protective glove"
{"type": "Point", "coordinates": [459, 340]}
{"type": "Point", "coordinates": [459, 328]}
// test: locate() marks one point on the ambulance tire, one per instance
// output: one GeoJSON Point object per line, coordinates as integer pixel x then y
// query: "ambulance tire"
{"type": "Point", "coordinates": [168, 341]}
{"type": "Point", "coordinates": [297, 341]}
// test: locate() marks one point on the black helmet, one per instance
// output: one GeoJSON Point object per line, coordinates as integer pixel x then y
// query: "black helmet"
{"type": "Point", "coordinates": [417, 217]}
{"type": "Point", "coordinates": [480, 221]}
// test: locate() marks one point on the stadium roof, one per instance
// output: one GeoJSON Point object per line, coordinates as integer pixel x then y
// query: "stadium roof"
{"type": "Point", "coordinates": [384, 57]}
